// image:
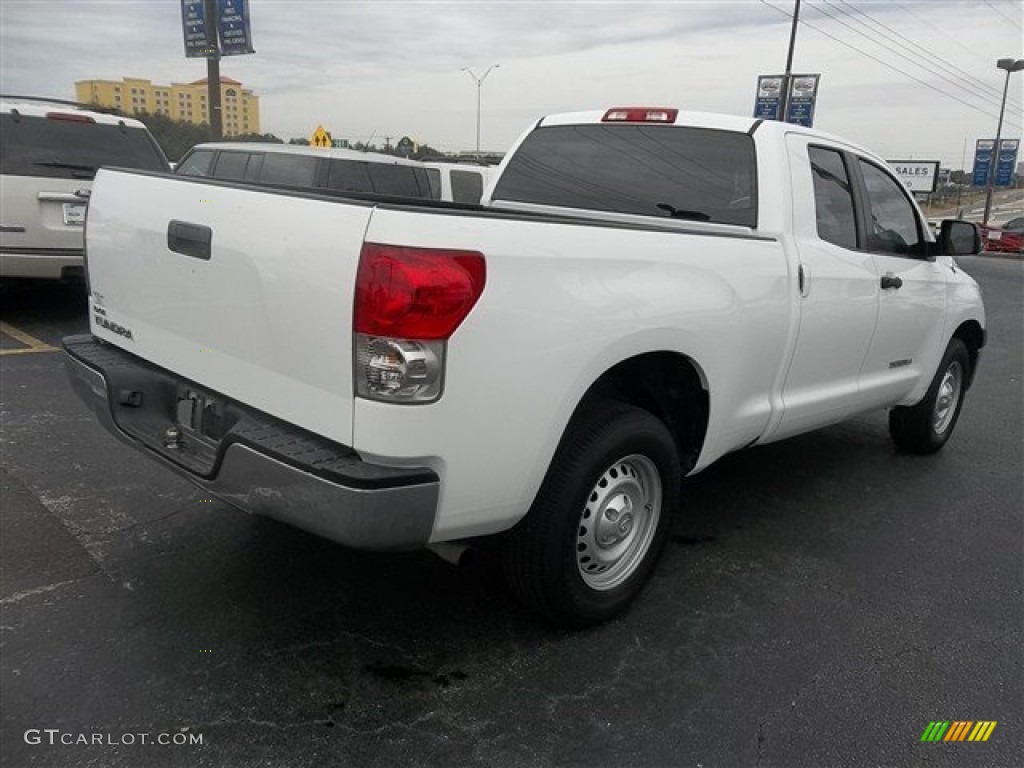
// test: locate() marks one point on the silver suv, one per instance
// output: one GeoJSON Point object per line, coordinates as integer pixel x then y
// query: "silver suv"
{"type": "Point", "coordinates": [49, 153]}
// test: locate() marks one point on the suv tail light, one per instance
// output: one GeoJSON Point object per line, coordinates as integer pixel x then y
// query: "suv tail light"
{"type": "Point", "coordinates": [640, 115]}
{"type": "Point", "coordinates": [408, 303]}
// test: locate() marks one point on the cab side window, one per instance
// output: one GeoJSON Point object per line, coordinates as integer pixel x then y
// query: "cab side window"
{"type": "Point", "coordinates": [467, 186]}
{"type": "Point", "coordinates": [231, 165]}
{"type": "Point", "coordinates": [833, 198]}
{"type": "Point", "coordinates": [893, 226]}
{"type": "Point", "coordinates": [196, 164]}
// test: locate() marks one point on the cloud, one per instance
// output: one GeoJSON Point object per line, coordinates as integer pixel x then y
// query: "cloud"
{"type": "Point", "coordinates": [392, 68]}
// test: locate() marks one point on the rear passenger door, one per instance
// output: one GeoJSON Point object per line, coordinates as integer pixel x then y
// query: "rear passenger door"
{"type": "Point", "coordinates": [907, 343]}
{"type": "Point", "coordinates": [837, 288]}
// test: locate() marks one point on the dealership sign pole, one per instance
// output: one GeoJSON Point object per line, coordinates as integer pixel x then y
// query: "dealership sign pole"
{"type": "Point", "coordinates": [215, 28]}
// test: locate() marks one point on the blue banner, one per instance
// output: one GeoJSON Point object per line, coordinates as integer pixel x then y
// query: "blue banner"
{"type": "Point", "coordinates": [233, 25]}
{"type": "Point", "coordinates": [769, 97]}
{"type": "Point", "coordinates": [1007, 162]}
{"type": "Point", "coordinates": [982, 161]}
{"type": "Point", "coordinates": [803, 92]}
{"type": "Point", "coordinates": [199, 41]}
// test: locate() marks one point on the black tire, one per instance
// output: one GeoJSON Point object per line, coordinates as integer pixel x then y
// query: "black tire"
{"type": "Point", "coordinates": [924, 428]}
{"type": "Point", "coordinates": [633, 453]}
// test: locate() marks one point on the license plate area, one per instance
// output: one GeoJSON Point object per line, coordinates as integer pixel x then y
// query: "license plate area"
{"type": "Point", "coordinates": [202, 416]}
{"type": "Point", "coordinates": [74, 214]}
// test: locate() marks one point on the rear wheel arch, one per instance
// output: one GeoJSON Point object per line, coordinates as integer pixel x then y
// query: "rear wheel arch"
{"type": "Point", "coordinates": [669, 385]}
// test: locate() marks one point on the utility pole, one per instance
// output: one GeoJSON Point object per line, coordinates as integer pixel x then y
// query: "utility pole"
{"type": "Point", "coordinates": [213, 71]}
{"type": "Point", "coordinates": [479, 83]}
{"type": "Point", "coordinates": [789, 64]}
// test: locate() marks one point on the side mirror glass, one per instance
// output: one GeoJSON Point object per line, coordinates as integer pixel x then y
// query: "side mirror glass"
{"type": "Point", "coordinates": [959, 238]}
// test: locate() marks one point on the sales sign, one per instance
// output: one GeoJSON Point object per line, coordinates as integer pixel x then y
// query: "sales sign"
{"type": "Point", "coordinates": [199, 40]}
{"type": "Point", "coordinates": [233, 26]}
{"type": "Point", "coordinates": [917, 175]}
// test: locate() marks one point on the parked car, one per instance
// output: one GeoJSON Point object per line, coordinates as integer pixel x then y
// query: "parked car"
{"type": "Point", "coordinates": [302, 167]}
{"type": "Point", "coordinates": [640, 292]}
{"type": "Point", "coordinates": [49, 152]}
{"type": "Point", "coordinates": [1008, 238]}
{"type": "Point", "coordinates": [458, 182]}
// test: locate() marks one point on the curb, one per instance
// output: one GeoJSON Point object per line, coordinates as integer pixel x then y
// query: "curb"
{"type": "Point", "coordinates": [1014, 256]}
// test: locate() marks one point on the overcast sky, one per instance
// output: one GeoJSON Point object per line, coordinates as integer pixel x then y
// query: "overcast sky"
{"type": "Point", "coordinates": [393, 68]}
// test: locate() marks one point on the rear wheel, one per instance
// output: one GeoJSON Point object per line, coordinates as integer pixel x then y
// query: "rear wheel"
{"type": "Point", "coordinates": [600, 520]}
{"type": "Point", "coordinates": [924, 428]}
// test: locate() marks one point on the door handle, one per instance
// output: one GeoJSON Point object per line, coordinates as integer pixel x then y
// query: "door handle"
{"type": "Point", "coordinates": [889, 280]}
{"type": "Point", "coordinates": [189, 239]}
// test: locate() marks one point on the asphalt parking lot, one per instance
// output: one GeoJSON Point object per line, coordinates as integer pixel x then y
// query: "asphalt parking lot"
{"type": "Point", "coordinates": [822, 601]}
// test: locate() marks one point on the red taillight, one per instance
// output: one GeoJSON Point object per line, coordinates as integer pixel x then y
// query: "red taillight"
{"type": "Point", "coordinates": [640, 115]}
{"type": "Point", "coordinates": [415, 293]}
{"type": "Point", "coordinates": [69, 117]}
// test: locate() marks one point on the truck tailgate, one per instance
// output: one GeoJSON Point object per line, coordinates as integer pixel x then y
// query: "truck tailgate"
{"type": "Point", "coordinates": [235, 289]}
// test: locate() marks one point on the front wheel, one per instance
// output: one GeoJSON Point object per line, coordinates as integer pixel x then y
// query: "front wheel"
{"type": "Point", "coordinates": [599, 523]}
{"type": "Point", "coordinates": [924, 428]}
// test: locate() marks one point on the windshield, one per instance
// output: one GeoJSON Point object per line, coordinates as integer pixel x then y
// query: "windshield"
{"type": "Point", "coordinates": [64, 149]}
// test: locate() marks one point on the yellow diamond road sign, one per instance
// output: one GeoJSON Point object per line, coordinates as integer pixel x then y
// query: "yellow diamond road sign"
{"type": "Point", "coordinates": [320, 137]}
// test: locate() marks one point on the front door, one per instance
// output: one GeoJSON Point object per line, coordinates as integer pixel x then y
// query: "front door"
{"type": "Point", "coordinates": [907, 343]}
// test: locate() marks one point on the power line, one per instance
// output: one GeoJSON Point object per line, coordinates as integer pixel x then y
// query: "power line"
{"type": "Point", "coordinates": [869, 37]}
{"type": "Point", "coordinates": [952, 69]}
{"type": "Point", "coordinates": [945, 34]}
{"type": "Point", "coordinates": [886, 64]}
{"type": "Point", "coordinates": [1015, 22]}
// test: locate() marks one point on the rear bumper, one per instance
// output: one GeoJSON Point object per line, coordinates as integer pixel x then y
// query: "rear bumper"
{"type": "Point", "coordinates": [260, 464]}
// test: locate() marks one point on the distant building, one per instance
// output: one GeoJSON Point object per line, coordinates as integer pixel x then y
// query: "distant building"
{"type": "Point", "coordinates": [240, 109]}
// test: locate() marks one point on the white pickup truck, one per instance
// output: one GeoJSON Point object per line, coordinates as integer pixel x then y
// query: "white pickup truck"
{"type": "Point", "coordinates": [640, 292]}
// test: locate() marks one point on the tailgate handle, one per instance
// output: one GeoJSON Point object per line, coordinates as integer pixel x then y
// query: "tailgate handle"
{"type": "Point", "coordinates": [189, 239]}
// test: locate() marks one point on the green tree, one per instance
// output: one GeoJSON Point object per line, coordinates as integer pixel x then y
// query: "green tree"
{"type": "Point", "coordinates": [175, 137]}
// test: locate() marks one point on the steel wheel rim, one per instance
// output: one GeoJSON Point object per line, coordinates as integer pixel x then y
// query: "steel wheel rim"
{"type": "Point", "coordinates": [947, 398]}
{"type": "Point", "coordinates": [618, 521]}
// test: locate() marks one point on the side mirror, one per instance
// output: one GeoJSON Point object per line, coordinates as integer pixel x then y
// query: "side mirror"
{"type": "Point", "coordinates": [959, 238]}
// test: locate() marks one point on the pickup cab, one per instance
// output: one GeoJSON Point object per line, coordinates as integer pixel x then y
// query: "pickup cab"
{"type": "Point", "coordinates": [640, 292]}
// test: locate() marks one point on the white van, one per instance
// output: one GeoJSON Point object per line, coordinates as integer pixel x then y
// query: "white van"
{"type": "Point", "coordinates": [308, 167]}
{"type": "Point", "coordinates": [458, 182]}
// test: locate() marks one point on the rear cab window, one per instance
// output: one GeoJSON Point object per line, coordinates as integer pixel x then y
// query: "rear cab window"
{"type": "Point", "coordinates": [73, 149]}
{"type": "Point", "coordinates": [697, 174]}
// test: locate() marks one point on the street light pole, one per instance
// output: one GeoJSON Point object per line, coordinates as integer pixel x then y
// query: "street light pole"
{"type": "Point", "coordinates": [479, 84]}
{"type": "Point", "coordinates": [1010, 65]}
